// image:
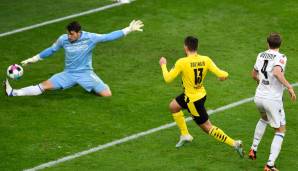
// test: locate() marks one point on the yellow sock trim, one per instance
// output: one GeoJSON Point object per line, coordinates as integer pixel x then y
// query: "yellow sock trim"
{"type": "Point", "coordinates": [221, 136]}
{"type": "Point", "coordinates": [180, 121]}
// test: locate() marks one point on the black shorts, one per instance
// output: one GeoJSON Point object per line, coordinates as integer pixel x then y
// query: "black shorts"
{"type": "Point", "coordinates": [196, 109]}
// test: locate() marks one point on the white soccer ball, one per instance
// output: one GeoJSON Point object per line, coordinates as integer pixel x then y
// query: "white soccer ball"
{"type": "Point", "coordinates": [15, 71]}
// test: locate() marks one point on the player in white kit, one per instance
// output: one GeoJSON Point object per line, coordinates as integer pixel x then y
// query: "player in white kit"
{"type": "Point", "coordinates": [269, 73]}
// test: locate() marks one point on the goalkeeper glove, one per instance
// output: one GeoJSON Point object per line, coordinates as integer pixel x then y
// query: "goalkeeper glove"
{"type": "Point", "coordinates": [31, 60]}
{"type": "Point", "coordinates": [135, 25]}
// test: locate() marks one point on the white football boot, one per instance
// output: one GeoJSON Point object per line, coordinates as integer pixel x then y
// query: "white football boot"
{"type": "Point", "coordinates": [239, 148]}
{"type": "Point", "coordinates": [183, 140]}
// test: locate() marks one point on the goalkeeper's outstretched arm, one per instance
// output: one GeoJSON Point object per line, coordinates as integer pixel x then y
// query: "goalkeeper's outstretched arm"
{"type": "Point", "coordinates": [45, 53]}
{"type": "Point", "coordinates": [135, 25]}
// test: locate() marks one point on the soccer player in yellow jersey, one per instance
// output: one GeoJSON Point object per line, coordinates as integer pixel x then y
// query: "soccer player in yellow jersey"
{"type": "Point", "coordinates": [193, 70]}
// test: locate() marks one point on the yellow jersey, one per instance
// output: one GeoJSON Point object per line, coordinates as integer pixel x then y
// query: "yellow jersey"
{"type": "Point", "coordinates": [193, 70]}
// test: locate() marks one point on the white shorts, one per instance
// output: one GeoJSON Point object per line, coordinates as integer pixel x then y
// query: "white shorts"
{"type": "Point", "coordinates": [274, 111]}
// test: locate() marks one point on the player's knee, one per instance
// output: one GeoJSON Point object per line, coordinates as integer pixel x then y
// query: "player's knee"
{"type": "Point", "coordinates": [47, 85]}
{"type": "Point", "coordinates": [281, 129]}
{"type": "Point", "coordinates": [105, 93]}
{"type": "Point", "coordinates": [173, 107]}
{"type": "Point", "coordinates": [206, 126]}
{"type": "Point", "coordinates": [108, 94]}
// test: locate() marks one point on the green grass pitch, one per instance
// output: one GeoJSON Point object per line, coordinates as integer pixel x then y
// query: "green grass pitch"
{"type": "Point", "coordinates": [35, 130]}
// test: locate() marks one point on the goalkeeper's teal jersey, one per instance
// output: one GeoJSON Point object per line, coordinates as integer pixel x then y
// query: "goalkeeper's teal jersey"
{"type": "Point", "coordinates": [78, 54]}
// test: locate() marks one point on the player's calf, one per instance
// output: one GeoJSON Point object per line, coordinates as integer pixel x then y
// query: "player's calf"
{"type": "Point", "coordinates": [221, 136]}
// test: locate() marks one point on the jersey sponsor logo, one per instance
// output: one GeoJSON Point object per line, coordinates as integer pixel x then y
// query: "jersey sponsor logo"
{"type": "Point", "coordinates": [76, 48]}
{"type": "Point", "coordinates": [197, 64]}
{"type": "Point", "coordinates": [267, 55]}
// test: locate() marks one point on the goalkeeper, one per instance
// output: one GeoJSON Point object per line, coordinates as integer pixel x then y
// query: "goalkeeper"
{"type": "Point", "coordinates": [78, 46]}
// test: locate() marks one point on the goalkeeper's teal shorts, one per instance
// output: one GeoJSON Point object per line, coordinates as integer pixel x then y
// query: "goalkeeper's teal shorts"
{"type": "Point", "coordinates": [86, 79]}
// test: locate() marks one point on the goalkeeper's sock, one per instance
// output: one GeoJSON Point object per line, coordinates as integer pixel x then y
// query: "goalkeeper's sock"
{"type": "Point", "coordinates": [29, 91]}
{"type": "Point", "coordinates": [180, 121]}
{"type": "Point", "coordinates": [221, 136]}
{"type": "Point", "coordinates": [259, 132]}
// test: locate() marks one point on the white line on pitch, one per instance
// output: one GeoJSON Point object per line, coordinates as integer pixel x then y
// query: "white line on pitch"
{"type": "Point", "coordinates": [62, 19]}
{"type": "Point", "coordinates": [134, 136]}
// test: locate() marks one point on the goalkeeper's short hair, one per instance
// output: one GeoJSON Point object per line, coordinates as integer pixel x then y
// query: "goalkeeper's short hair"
{"type": "Point", "coordinates": [74, 26]}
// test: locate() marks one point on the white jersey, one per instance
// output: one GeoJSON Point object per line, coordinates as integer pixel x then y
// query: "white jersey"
{"type": "Point", "coordinates": [269, 86]}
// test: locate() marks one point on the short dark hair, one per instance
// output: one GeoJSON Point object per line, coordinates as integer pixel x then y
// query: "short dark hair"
{"type": "Point", "coordinates": [74, 26]}
{"type": "Point", "coordinates": [191, 43]}
{"type": "Point", "coordinates": [274, 40]}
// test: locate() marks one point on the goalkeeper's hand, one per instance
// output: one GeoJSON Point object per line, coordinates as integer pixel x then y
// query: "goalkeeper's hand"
{"type": "Point", "coordinates": [135, 25]}
{"type": "Point", "coordinates": [31, 60]}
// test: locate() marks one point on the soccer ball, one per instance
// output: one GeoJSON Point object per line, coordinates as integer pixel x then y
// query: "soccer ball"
{"type": "Point", "coordinates": [15, 71]}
